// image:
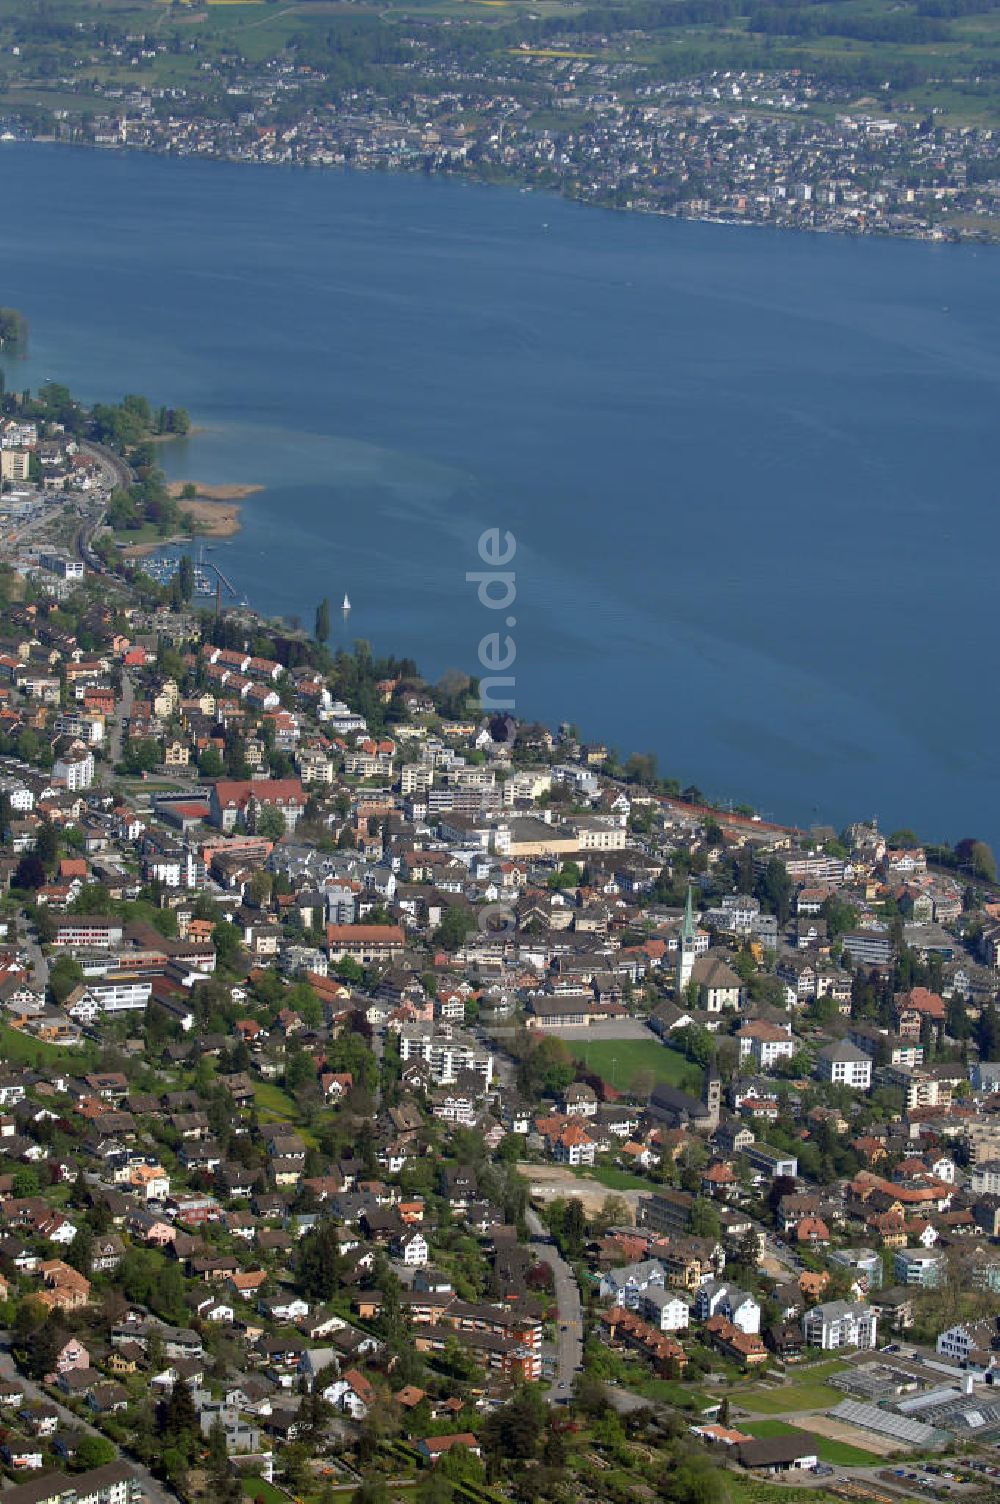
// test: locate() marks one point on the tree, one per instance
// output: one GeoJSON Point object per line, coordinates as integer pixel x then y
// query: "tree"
{"type": "Point", "coordinates": [372, 1491]}
{"type": "Point", "coordinates": [957, 1023]}
{"type": "Point", "coordinates": [322, 631]}
{"type": "Point", "coordinates": [615, 1212]}
{"type": "Point", "coordinates": [569, 1225]}
{"type": "Point", "coordinates": [774, 889]}
{"type": "Point", "coordinates": [271, 823]}
{"type": "Point", "coordinates": [515, 1430]}
{"type": "Point", "coordinates": [217, 1465]}
{"type": "Point", "coordinates": [141, 755]}
{"type": "Point", "coordinates": [25, 1183]}
{"type": "Point", "coordinates": [319, 1263]}
{"type": "Point", "coordinates": [42, 1348]}
{"type": "Point", "coordinates": [704, 1219]}
{"type": "Point", "coordinates": [434, 1488]}
{"type": "Point", "coordinates": [180, 1419]}
{"type": "Point", "coordinates": [693, 1479]}
{"type": "Point", "coordinates": [30, 873]}
{"type": "Point", "coordinates": [589, 1395]}
{"type": "Point", "coordinates": [226, 939]}
{"type": "Point", "coordinates": [175, 1465]}
{"type": "Point", "coordinates": [979, 857]}
{"type": "Point", "coordinates": [454, 927]}
{"type": "Point", "coordinates": [988, 1033]}
{"type": "Point", "coordinates": [64, 975]}
{"type": "Point", "coordinates": [840, 916]}
{"type": "Point", "coordinates": [210, 764]}
{"type": "Point", "coordinates": [185, 577]}
{"type": "Point", "coordinates": [95, 1451]}
{"type": "Point", "coordinates": [79, 1255]}
{"type": "Point", "coordinates": [46, 844]}
{"type": "Point", "coordinates": [300, 1069]}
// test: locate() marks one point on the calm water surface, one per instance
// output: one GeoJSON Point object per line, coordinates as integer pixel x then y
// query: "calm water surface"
{"type": "Point", "coordinates": [752, 476]}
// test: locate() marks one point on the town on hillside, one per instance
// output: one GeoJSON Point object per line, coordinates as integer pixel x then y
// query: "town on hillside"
{"type": "Point", "coordinates": [864, 117]}
{"type": "Point", "coordinates": [400, 1102]}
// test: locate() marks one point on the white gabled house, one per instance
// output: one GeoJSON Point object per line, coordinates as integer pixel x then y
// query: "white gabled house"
{"type": "Point", "coordinates": [667, 1310]}
{"type": "Point", "coordinates": [626, 1287]}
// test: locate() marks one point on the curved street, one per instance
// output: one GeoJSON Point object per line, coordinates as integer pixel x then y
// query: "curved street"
{"type": "Point", "coordinates": [154, 1491]}
{"type": "Point", "coordinates": [569, 1339]}
{"type": "Point", "coordinates": [117, 473]}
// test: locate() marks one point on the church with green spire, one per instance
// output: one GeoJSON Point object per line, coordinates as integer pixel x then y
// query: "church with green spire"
{"type": "Point", "coordinates": [686, 947]}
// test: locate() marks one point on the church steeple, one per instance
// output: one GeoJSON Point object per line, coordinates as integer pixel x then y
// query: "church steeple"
{"type": "Point", "coordinates": [687, 931]}
{"type": "Point", "coordinates": [686, 948]}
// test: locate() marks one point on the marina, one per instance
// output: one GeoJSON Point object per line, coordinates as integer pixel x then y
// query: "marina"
{"type": "Point", "coordinates": [208, 577]}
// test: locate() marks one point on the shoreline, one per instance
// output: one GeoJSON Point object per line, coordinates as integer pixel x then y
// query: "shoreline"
{"type": "Point", "coordinates": [982, 238]}
{"type": "Point", "coordinates": [174, 438]}
{"type": "Point", "coordinates": [212, 494]}
{"type": "Point", "coordinates": [215, 511]}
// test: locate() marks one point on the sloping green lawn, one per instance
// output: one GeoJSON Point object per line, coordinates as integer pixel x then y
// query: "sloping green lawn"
{"type": "Point", "coordinates": [271, 1099]}
{"type": "Point", "coordinates": [256, 1488]}
{"type": "Point", "coordinates": [276, 1105]}
{"type": "Point", "coordinates": [20, 1049]}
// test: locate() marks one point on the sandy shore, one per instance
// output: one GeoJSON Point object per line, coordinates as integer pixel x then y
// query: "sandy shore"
{"type": "Point", "coordinates": [215, 509]}
{"type": "Point", "coordinates": [212, 493]}
{"type": "Point", "coordinates": [215, 512]}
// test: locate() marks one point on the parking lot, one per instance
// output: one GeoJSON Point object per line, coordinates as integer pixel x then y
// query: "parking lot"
{"type": "Point", "coordinates": [939, 1480]}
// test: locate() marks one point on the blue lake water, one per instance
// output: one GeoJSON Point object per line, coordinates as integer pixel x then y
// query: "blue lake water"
{"type": "Point", "coordinates": [752, 475]}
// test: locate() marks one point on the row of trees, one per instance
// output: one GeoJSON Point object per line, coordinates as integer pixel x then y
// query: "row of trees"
{"type": "Point", "coordinates": [13, 329]}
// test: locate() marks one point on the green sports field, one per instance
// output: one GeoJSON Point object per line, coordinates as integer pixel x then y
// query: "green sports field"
{"type": "Point", "coordinates": [624, 1063]}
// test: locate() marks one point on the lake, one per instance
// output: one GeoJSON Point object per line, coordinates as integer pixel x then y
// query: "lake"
{"type": "Point", "coordinates": [752, 475]}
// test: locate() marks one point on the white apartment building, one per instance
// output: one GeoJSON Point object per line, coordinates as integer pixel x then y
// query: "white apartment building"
{"type": "Point", "coordinates": [840, 1323]}
{"type": "Point", "coordinates": [845, 1065]}
{"type": "Point", "coordinates": [75, 770]}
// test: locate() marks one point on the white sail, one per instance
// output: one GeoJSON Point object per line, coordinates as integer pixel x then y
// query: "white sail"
{"type": "Point", "coordinates": [347, 602]}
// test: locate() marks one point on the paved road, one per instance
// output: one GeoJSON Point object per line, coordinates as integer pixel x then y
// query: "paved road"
{"type": "Point", "coordinates": [124, 710]}
{"type": "Point", "coordinates": [569, 1341]}
{"type": "Point", "coordinates": [84, 537]}
{"type": "Point", "coordinates": [117, 474]}
{"type": "Point", "coordinates": [154, 1491]}
{"type": "Point", "coordinates": [28, 942]}
{"type": "Point", "coordinates": [783, 1257]}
